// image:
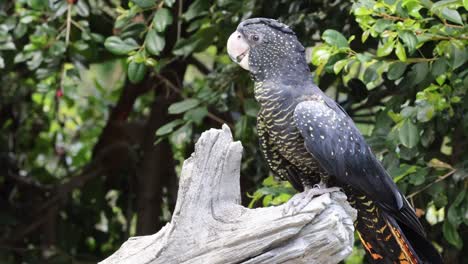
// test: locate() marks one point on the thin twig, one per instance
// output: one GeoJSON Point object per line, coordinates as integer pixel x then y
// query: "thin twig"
{"type": "Point", "coordinates": [389, 17]}
{"type": "Point", "coordinates": [179, 20]}
{"type": "Point", "coordinates": [452, 25]}
{"type": "Point", "coordinates": [77, 25]}
{"type": "Point", "coordinates": [67, 36]}
{"type": "Point", "coordinates": [445, 176]}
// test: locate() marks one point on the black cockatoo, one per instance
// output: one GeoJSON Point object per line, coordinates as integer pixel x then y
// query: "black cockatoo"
{"type": "Point", "coordinates": [308, 139]}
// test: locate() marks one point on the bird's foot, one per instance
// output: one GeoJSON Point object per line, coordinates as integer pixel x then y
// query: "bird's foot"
{"type": "Point", "coordinates": [299, 201]}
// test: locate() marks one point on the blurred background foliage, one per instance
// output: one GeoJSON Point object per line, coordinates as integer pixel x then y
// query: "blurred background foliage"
{"type": "Point", "coordinates": [102, 100]}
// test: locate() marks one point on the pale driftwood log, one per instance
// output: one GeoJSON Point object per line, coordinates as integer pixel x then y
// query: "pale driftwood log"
{"type": "Point", "coordinates": [210, 226]}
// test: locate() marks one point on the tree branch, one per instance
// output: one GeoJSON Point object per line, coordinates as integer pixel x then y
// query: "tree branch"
{"type": "Point", "coordinates": [210, 226]}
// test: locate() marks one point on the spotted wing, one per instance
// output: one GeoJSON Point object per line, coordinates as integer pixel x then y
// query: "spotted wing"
{"type": "Point", "coordinates": [333, 139]}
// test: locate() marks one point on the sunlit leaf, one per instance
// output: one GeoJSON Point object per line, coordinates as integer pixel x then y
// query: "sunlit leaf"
{"type": "Point", "coordinates": [334, 38]}
{"type": "Point", "coordinates": [400, 51]}
{"type": "Point", "coordinates": [451, 15]}
{"type": "Point", "coordinates": [408, 134]}
{"type": "Point", "coordinates": [339, 65]}
{"type": "Point", "coordinates": [409, 39]}
{"type": "Point", "coordinates": [385, 48]}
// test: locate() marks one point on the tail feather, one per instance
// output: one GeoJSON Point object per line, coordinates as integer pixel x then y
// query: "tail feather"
{"type": "Point", "coordinates": [393, 242]}
{"type": "Point", "coordinates": [417, 244]}
{"type": "Point", "coordinates": [388, 240]}
{"type": "Point", "coordinates": [407, 254]}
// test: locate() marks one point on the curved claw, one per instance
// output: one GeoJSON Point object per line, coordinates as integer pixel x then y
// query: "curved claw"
{"type": "Point", "coordinates": [301, 200]}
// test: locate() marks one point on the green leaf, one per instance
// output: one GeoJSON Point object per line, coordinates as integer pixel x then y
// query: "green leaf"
{"type": "Point", "coordinates": [365, 35]}
{"type": "Point", "coordinates": [7, 46]}
{"type": "Point", "coordinates": [409, 39]}
{"type": "Point", "coordinates": [425, 113]}
{"type": "Point", "coordinates": [439, 67]}
{"type": "Point", "coordinates": [182, 135]}
{"type": "Point", "coordinates": [362, 11]}
{"type": "Point", "coordinates": [184, 47]}
{"type": "Point", "coordinates": [82, 8]}
{"type": "Point", "coordinates": [197, 42]}
{"type": "Point", "coordinates": [408, 134]}
{"type": "Point", "coordinates": [120, 47]}
{"type": "Point", "coordinates": [145, 3]}
{"type": "Point", "coordinates": [133, 30]}
{"type": "Point", "coordinates": [35, 61]}
{"type": "Point", "coordinates": [434, 216]}
{"type": "Point", "coordinates": [403, 171]}
{"type": "Point", "coordinates": [454, 216]}
{"type": "Point", "coordinates": [205, 37]}
{"type": "Point", "coordinates": [451, 15]}
{"type": "Point", "coordinates": [169, 3]}
{"type": "Point", "coordinates": [400, 51]}
{"type": "Point", "coordinates": [266, 200]}
{"type": "Point", "coordinates": [162, 19]}
{"type": "Point", "coordinates": [154, 43]}
{"type": "Point", "coordinates": [334, 38]}
{"type": "Point", "coordinates": [382, 24]}
{"type": "Point", "coordinates": [396, 70]}
{"type": "Point", "coordinates": [413, 7]}
{"type": "Point", "coordinates": [196, 115]}
{"type": "Point", "coordinates": [281, 199]}
{"type": "Point", "coordinates": [370, 75]}
{"type": "Point", "coordinates": [427, 137]}
{"type": "Point", "coordinates": [20, 30]}
{"type": "Point", "coordinates": [385, 48]}
{"type": "Point", "coordinates": [465, 4]}
{"type": "Point", "coordinates": [169, 127]}
{"type": "Point", "coordinates": [27, 19]}
{"type": "Point", "coordinates": [320, 54]}
{"type": "Point", "coordinates": [419, 177]}
{"type": "Point", "coordinates": [136, 72]}
{"type": "Point", "coordinates": [451, 235]}
{"type": "Point", "coordinates": [37, 4]}
{"type": "Point", "coordinates": [456, 55]}
{"type": "Point", "coordinates": [196, 9]}
{"type": "Point", "coordinates": [339, 65]}
{"type": "Point", "coordinates": [183, 106]}
{"type": "Point", "coordinates": [421, 70]}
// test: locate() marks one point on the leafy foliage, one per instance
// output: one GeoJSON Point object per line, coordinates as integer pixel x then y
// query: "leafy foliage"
{"type": "Point", "coordinates": [419, 58]}
{"type": "Point", "coordinates": [105, 99]}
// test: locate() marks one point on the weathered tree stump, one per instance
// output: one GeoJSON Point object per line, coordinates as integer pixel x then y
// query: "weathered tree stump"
{"type": "Point", "coordinates": [210, 226]}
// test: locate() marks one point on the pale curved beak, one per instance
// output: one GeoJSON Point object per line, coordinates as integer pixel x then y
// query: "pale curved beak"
{"type": "Point", "coordinates": [238, 49]}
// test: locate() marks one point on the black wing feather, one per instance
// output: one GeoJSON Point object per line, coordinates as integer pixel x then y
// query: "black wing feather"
{"type": "Point", "coordinates": [333, 139]}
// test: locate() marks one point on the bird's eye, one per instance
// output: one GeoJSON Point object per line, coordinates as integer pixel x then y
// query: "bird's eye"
{"type": "Point", "coordinates": [255, 38]}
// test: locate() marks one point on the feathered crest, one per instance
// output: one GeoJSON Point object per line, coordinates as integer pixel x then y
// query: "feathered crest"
{"type": "Point", "coordinates": [269, 22]}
